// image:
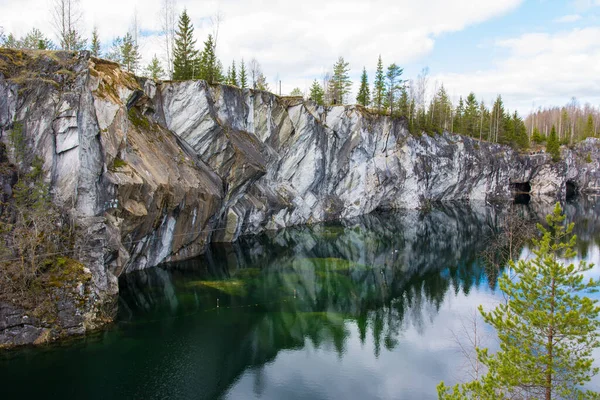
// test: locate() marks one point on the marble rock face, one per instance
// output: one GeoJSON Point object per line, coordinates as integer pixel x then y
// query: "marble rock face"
{"type": "Point", "coordinates": [151, 172]}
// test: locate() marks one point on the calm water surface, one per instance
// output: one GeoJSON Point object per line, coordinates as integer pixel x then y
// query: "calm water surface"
{"type": "Point", "coordinates": [358, 309]}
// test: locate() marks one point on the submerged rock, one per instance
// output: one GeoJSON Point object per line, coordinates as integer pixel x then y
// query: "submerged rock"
{"type": "Point", "coordinates": [151, 172]}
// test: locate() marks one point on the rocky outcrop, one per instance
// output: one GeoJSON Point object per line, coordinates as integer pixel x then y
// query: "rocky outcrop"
{"type": "Point", "coordinates": [153, 171]}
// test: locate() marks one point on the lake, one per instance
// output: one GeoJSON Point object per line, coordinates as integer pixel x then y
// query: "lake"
{"type": "Point", "coordinates": [366, 308]}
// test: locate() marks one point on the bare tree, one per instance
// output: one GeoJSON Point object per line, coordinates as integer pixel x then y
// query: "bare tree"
{"type": "Point", "coordinates": [67, 18]}
{"type": "Point", "coordinates": [255, 71]}
{"type": "Point", "coordinates": [215, 21]}
{"type": "Point", "coordinates": [168, 21]}
{"type": "Point", "coordinates": [470, 336]}
{"type": "Point", "coordinates": [421, 90]}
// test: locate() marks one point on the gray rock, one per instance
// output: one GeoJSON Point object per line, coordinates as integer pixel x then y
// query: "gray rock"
{"type": "Point", "coordinates": [152, 172]}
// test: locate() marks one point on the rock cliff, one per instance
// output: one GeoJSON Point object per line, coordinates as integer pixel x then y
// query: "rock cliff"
{"type": "Point", "coordinates": [151, 172]}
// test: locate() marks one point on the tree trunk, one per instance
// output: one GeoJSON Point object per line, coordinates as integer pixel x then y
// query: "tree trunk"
{"type": "Point", "coordinates": [550, 344]}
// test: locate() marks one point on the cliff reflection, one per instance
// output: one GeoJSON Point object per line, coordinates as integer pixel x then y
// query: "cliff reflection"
{"type": "Point", "coordinates": [381, 273]}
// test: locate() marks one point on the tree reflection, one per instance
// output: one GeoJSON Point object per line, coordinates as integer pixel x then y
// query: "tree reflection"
{"type": "Point", "coordinates": [380, 272]}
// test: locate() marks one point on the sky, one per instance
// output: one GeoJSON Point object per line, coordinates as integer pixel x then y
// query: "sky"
{"type": "Point", "coordinates": [535, 53]}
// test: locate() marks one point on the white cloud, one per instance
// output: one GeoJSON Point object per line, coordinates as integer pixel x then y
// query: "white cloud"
{"type": "Point", "coordinates": [567, 19]}
{"type": "Point", "coordinates": [540, 68]}
{"type": "Point", "coordinates": [296, 40]}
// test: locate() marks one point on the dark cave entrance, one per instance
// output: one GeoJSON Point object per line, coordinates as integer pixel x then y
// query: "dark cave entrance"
{"type": "Point", "coordinates": [521, 192]}
{"type": "Point", "coordinates": [571, 190]}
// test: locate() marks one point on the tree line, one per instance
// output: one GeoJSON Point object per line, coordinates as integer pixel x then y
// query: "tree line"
{"type": "Point", "coordinates": [183, 60]}
{"type": "Point", "coordinates": [389, 93]}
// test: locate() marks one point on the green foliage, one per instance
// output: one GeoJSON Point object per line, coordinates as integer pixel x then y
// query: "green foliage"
{"type": "Point", "coordinates": [297, 92]}
{"type": "Point", "coordinates": [340, 83]}
{"type": "Point", "coordinates": [393, 83]}
{"type": "Point", "coordinates": [17, 141]}
{"type": "Point", "coordinates": [130, 55]}
{"type": "Point", "coordinates": [471, 116]}
{"type": "Point", "coordinates": [118, 163]}
{"type": "Point", "coordinates": [537, 137]}
{"type": "Point", "coordinates": [440, 109]}
{"type": "Point", "coordinates": [232, 76]}
{"type": "Point", "coordinates": [552, 146]}
{"type": "Point", "coordinates": [364, 97]}
{"type": "Point", "coordinates": [547, 329]}
{"type": "Point", "coordinates": [95, 43]}
{"type": "Point", "coordinates": [589, 127]}
{"type": "Point", "coordinates": [154, 70]}
{"type": "Point", "coordinates": [379, 86]}
{"type": "Point", "coordinates": [243, 76]}
{"type": "Point", "coordinates": [209, 67]}
{"type": "Point", "coordinates": [33, 40]}
{"type": "Point", "coordinates": [185, 55]}
{"type": "Point", "coordinates": [588, 158]}
{"type": "Point", "coordinates": [317, 93]}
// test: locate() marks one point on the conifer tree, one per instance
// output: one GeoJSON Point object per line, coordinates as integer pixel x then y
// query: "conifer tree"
{"type": "Point", "coordinates": [536, 136]}
{"type": "Point", "coordinates": [340, 83]}
{"type": "Point", "coordinates": [296, 92]}
{"type": "Point", "coordinates": [210, 67]}
{"type": "Point", "coordinates": [95, 44]}
{"type": "Point", "coordinates": [317, 93]}
{"type": "Point", "coordinates": [589, 127]}
{"type": "Point", "coordinates": [130, 56]}
{"type": "Point", "coordinates": [364, 96]}
{"type": "Point", "coordinates": [36, 40]}
{"type": "Point", "coordinates": [553, 146]}
{"type": "Point", "coordinates": [154, 70]}
{"type": "Point", "coordinates": [547, 329]}
{"type": "Point", "coordinates": [233, 77]}
{"type": "Point", "coordinates": [471, 116]}
{"type": "Point", "coordinates": [185, 55]}
{"type": "Point", "coordinates": [243, 76]}
{"type": "Point", "coordinates": [393, 83]}
{"type": "Point", "coordinates": [458, 117]}
{"type": "Point", "coordinates": [379, 86]}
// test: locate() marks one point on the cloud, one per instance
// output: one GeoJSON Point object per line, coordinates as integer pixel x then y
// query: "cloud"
{"type": "Point", "coordinates": [567, 19]}
{"type": "Point", "coordinates": [295, 40]}
{"type": "Point", "coordinates": [540, 68]}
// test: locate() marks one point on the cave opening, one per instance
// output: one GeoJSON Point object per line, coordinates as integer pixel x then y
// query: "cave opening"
{"type": "Point", "coordinates": [521, 192]}
{"type": "Point", "coordinates": [571, 190]}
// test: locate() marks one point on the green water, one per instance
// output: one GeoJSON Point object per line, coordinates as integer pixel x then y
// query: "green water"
{"type": "Point", "coordinates": [359, 309]}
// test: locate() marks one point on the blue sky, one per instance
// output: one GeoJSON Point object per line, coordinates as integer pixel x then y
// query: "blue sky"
{"type": "Point", "coordinates": [540, 52]}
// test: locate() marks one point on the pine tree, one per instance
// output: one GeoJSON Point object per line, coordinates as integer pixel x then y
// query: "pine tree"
{"type": "Point", "coordinates": [379, 86]}
{"type": "Point", "coordinates": [340, 83]}
{"type": "Point", "coordinates": [95, 44]}
{"type": "Point", "coordinates": [536, 136]}
{"type": "Point", "coordinates": [521, 140]}
{"type": "Point", "coordinates": [471, 116]}
{"type": "Point", "coordinates": [296, 92]}
{"type": "Point", "coordinates": [243, 76]}
{"type": "Point", "coordinates": [363, 97]}
{"type": "Point", "coordinates": [317, 93]}
{"type": "Point", "coordinates": [233, 77]}
{"type": "Point", "coordinates": [589, 127]}
{"type": "Point", "coordinates": [553, 146]}
{"type": "Point", "coordinates": [458, 117]}
{"type": "Point", "coordinates": [154, 70]}
{"type": "Point", "coordinates": [393, 83]}
{"type": "Point", "coordinates": [130, 56]}
{"type": "Point", "coordinates": [547, 329]}
{"type": "Point", "coordinates": [185, 54]}
{"type": "Point", "coordinates": [210, 67]}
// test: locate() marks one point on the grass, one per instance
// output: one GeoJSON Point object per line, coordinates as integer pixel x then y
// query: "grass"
{"type": "Point", "coordinates": [118, 163]}
{"type": "Point", "coordinates": [230, 287]}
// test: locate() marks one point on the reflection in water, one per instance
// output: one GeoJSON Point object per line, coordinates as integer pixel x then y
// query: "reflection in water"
{"type": "Point", "coordinates": [353, 309]}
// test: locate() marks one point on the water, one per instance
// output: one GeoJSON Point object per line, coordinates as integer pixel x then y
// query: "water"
{"type": "Point", "coordinates": [359, 309]}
